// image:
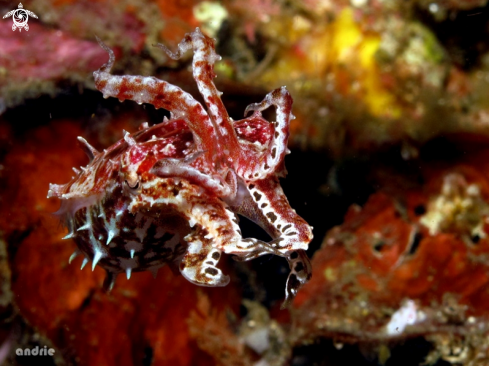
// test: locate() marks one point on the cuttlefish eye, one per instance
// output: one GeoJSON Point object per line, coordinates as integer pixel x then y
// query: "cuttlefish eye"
{"type": "Point", "coordinates": [132, 180]}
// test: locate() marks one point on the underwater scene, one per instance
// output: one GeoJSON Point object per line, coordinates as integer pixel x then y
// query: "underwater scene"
{"type": "Point", "coordinates": [244, 182]}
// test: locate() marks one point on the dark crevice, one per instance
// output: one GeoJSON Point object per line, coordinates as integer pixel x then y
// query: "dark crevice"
{"type": "Point", "coordinates": [86, 302]}
{"type": "Point", "coordinates": [463, 34]}
{"type": "Point", "coordinates": [148, 356]}
{"type": "Point", "coordinates": [419, 210]}
{"type": "Point", "coordinates": [415, 244]}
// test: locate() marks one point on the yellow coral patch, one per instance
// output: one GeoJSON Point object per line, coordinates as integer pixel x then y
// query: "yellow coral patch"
{"type": "Point", "coordinates": [346, 35]}
{"type": "Point", "coordinates": [353, 47]}
{"type": "Point", "coordinates": [343, 49]}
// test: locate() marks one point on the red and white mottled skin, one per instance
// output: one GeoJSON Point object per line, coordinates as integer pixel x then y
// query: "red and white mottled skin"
{"type": "Point", "coordinates": [170, 193]}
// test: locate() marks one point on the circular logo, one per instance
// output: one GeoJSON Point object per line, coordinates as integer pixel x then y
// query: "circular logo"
{"type": "Point", "coordinates": [20, 18]}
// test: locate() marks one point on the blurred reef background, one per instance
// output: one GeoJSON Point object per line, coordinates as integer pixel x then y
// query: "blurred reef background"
{"type": "Point", "coordinates": [389, 164]}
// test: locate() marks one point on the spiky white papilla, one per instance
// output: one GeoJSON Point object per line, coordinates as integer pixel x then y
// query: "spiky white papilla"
{"type": "Point", "coordinates": [128, 265]}
{"type": "Point", "coordinates": [407, 314]}
{"type": "Point", "coordinates": [133, 246]}
{"type": "Point", "coordinates": [73, 256]}
{"type": "Point", "coordinates": [98, 253]}
{"type": "Point", "coordinates": [111, 225]}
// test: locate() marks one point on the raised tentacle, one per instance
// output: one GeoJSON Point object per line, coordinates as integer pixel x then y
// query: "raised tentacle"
{"type": "Point", "coordinates": [253, 165]}
{"type": "Point", "coordinates": [87, 148]}
{"type": "Point", "coordinates": [110, 63]}
{"type": "Point", "coordinates": [265, 203]}
{"type": "Point", "coordinates": [251, 248]}
{"type": "Point", "coordinates": [162, 95]}
{"type": "Point", "coordinates": [300, 273]}
{"type": "Point", "coordinates": [203, 72]}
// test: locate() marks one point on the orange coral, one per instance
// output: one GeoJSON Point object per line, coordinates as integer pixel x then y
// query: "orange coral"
{"type": "Point", "coordinates": [143, 317]}
{"type": "Point", "coordinates": [412, 249]}
{"type": "Point", "coordinates": [212, 332]}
